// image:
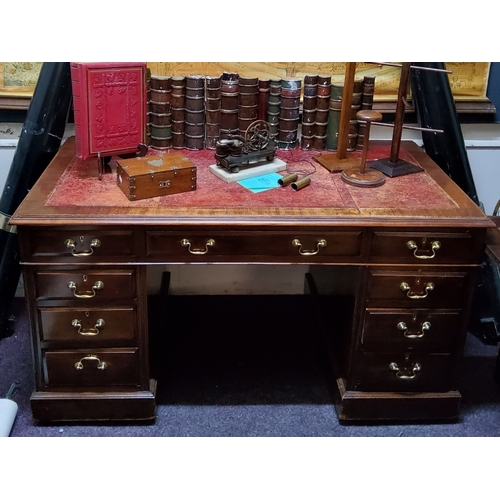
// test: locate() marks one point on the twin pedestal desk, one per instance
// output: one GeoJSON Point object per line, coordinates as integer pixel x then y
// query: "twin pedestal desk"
{"type": "Point", "coordinates": [412, 246]}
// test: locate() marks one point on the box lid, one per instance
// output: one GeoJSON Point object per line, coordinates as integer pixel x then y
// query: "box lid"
{"type": "Point", "coordinates": [154, 164]}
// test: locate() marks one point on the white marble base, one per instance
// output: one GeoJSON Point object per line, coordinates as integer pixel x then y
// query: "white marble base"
{"type": "Point", "coordinates": [248, 171]}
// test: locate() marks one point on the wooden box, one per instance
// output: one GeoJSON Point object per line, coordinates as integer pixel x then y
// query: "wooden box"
{"type": "Point", "coordinates": [151, 176]}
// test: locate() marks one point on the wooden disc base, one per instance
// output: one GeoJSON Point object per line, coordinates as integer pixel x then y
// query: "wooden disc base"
{"type": "Point", "coordinates": [334, 164]}
{"type": "Point", "coordinates": [370, 178]}
{"type": "Point", "coordinates": [391, 169]}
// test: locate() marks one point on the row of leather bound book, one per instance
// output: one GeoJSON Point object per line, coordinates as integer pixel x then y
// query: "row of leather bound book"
{"type": "Point", "coordinates": [195, 112]}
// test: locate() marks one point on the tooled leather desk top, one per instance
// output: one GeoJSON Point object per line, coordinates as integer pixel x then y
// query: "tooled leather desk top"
{"type": "Point", "coordinates": [72, 189]}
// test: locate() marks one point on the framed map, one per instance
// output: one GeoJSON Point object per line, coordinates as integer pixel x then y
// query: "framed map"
{"type": "Point", "coordinates": [468, 80]}
{"type": "Point", "coordinates": [17, 83]}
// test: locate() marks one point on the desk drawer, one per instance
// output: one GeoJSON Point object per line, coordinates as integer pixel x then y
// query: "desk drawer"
{"type": "Point", "coordinates": [423, 248]}
{"type": "Point", "coordinates": [82, 246]}
{"type": "Point", "coordinates": [400, 372]}
{"type": "Point", "coordinates": [231, 246]}
{"type": "Point", "coordinates": [417, 329]}
{"type": "Point", "coordinates": [86, 326]}
{"type": "Point", "coordinates": [417, 289]}
{"type": "Point", "coordinates": [86, 285]}
{"type": "Point", "coordinates": [85, 368]}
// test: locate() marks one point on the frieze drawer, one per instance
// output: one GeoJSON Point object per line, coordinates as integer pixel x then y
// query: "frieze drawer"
{"type": "Point", "coordinates": [424, 248]}
{"type": "Point", "coordinates": [91, 285]}
{"type": "Point", "coordinates": [231, 246]}
{"type": "Point", "coordinates": [82, 246]}
{"type": "Point", "coordinates": [91, 368]}
{"type": "Point", "coordinates": [403, 372]}
{"type": "Point", "coordinates": [417, 329]}
{"type": "Point", "coordinates": [423, 289]}
{"type": "Point", "coordinates": [87, 325]}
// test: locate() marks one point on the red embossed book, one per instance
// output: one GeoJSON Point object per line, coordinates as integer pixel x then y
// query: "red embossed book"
{"type": "Point", "coordinates": [109, 103]}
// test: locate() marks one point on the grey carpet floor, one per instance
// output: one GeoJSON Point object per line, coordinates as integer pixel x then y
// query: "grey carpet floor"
{"type": "Point", "coordinates": [244, 371]}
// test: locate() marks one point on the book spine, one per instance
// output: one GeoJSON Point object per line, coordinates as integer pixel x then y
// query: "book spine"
{"type": "Point", "coordinates": [308, 111]}
{"type": "Point", "coordinates": [264, 84]}
{"type": "Point", "coordinates": [178, 102]}
{"type": "Point", "coordinates": [248, 103]}
{"type": "Point", "coordinates": [212, 110]}
{"type": "Point", "coordinates": [289, 117]}
{"type": "Point", "coordinates": [195, 112]}
{"type": "Point", "coordinates": [160, 116]}
{"type": "Point", "coordinates": [80, 98]}
{"type": "Point", "coordinates": [229, 105]}
{"type": "Point", "coordinates": [273, 107]}
{"type": "Point", "coordinates": [148, 108]}
{"type": "Point", "coordinates": [322, 109]}
{"type": "Point", "coordinates": [366, 103]}
{"type": "Point", "coordinates": [335, 106]}
{"type": "Point", "coordinates": [367, 93]}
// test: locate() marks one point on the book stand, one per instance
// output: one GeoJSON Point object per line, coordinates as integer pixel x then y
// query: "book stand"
{"type": "Point", "coordinates": [360, 175]}
{"type": "Point", "coordinates": [103, 161]}
{"type": "Point", "coordinates": [342, 160]}
{"type": "Point", "coordinates": [394, 166]}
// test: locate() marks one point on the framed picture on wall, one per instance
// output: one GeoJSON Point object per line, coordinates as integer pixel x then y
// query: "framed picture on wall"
{"type": "Point", "coordinates": [469, 80]}
{"type": "Point", "coordinates": [17, 83]}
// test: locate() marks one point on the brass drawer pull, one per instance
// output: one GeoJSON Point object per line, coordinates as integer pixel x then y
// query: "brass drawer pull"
{"type": "Point", "coordinates": [91, 332]}
{"type": "Point", "coordinates": [320, 244]}
{"type": "Point", "coordinates": [405, 374]}
{"type": "Point", "coordinates": [71, 245]}
{"type": "Point", "coordinates": [98, 285]}
{"type": "Point", "coordinates": [187, 243]}
{"type": "Point", "coordinates": [435, 245]}
{"type": "Point", "coordinates": [101, 365]}
{"type": "Point", "coordinates": [412, 295]}
{"type": "Point", "coordinates": [423, 328]}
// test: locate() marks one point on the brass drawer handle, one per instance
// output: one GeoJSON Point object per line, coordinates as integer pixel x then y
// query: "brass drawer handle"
{"type": "Point", "coordinates": [320, 244]}
{"type": "Point", "coordinates": [98, 285]}
{"type": "Point", "coordinates": [435, 245]}
{"type": "Point", "coordinates": [423, 328]}
{"type": "Point", "coordinates": [101, 365]}
{"type": "Point", "coordinates": [412, 295]}
{"type": "Point", "coordinates": [187, 243]}
{"type": "Point", "coordinates": [406, 374]}
{"type": "Point", "coordinates": [91, 332]}
{"type": "Point", "coordinates": [71, 245]}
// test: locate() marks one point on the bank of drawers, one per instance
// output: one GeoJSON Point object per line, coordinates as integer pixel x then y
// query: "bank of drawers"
{"type": "Point", "coordinates": [413, 318]}
{"type": "Point", "coordinates": [87, 328]}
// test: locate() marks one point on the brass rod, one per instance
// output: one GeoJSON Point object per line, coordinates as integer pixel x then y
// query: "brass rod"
{"type": "Point", "coordinates": [395, 65]}
{"type": "Point", "coordinates": [366, 140]}
{"type": "Point", "coordinates": [400, 111]}
{"type": "Point", "coordinates": [409, 127]}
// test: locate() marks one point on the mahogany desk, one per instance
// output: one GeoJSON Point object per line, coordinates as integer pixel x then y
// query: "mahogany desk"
{"type": "Point", "coordinates": [414, 246]}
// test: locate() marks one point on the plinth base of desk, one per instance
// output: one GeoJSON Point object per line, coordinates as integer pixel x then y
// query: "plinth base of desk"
{"type": "Point", "coordinates": [391, 406]}
{"type": "Point", "coordinates": [86, 407]}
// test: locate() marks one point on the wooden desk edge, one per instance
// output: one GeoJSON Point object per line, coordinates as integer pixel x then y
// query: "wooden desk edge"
{"type": "Point", "coordinates": [32, 210]}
